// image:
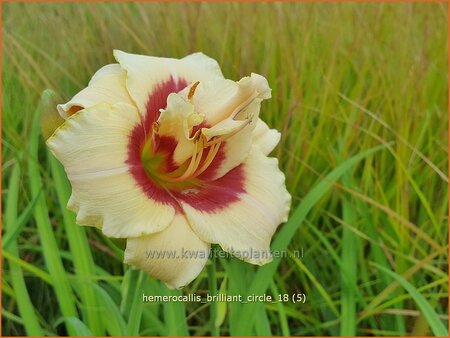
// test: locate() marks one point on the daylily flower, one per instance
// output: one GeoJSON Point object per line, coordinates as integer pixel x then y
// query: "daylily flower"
{"type": "Point", "coordinates": [170, 155]}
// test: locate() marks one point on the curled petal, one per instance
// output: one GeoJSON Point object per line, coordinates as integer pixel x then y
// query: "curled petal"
{"type": "Point", "coordinates": [264, 138]}
{"type": "Point", "coordinates": [146, 73]}
{"type": "Point", "coordinates": [177, 121]}
{"type": "Point", "coordinates": [175, 255]}
{"type": "Point", "coordinates": [230, 111]}
{"type": "Point", "coordinates": [236, 144]}
{"type": "Point", "coordinates": [220, 99]}
{"type": "Point", "coordinates": [93, 145]}
{"type": "Point", "coordinates": [106, 86]}
{"type": "Point", "coordinates": [241, 210]}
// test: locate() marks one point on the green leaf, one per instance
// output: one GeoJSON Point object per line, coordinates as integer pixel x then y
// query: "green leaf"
{"type": "Point", "coordinates": [80, 328]}
{"type": "Point", "coordinates": [131, 306]}
{"type": "Point", "coordinates": [20, 223]}
{"type": "Point", "coordinates": [427, 310]}
{"type": "Point", "coordinates": [82, 260]}
{"type": "Point", "coordinates": [53, 260]}
{"type": "Point", "coordinates": [112, 318]}
{"type": "Point", "coordinates": [26, 308]}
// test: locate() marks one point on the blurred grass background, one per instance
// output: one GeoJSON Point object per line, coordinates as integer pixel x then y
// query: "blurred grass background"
{"type": "Point", "coordinates": [346, 77]}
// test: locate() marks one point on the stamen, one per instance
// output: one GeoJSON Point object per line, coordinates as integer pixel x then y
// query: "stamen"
{"type": "Point", "coordinates": [244, 105]}
{"type": "Point", "coordinates": [189, 169]}
{"type": "Point", "coordinates": [192, 90]}
{"type": "Point", "coordinates": [196, 166]}
{"type": "Point", "coordinates": [155, 127]}
{"type": "Point", "coordinates": [222, 138]}
{"type": "Point", "coordinates": [155, 140]}
{"type": "Point", "coordinates": [193, 164]}
{"type": "Point", "coordinates": [197, 160]}
{"type": "Point", "coordinates": [209, 158]}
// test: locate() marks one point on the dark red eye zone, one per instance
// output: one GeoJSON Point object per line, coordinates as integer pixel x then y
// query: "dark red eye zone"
{"type": "Point", "coordinates": [202, 192]}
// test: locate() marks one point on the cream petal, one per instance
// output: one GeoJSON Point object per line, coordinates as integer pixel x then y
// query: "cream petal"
{"type": "Point", "coordinates": [177, 121]}
{"type": "Point", "coordinates": [236, 147]}
{"type": "Point", "coordinates": [264, 138]}
{"type": "Point", "coordinates": [231, 111]}
{"type": "Point", "coordinates": [205, 62]}
{"type": "Point", "coordinates": [106, 86]}
{"type": "Point", "coordinates": [175, 255]}
{"type": "Point", "coordinates": [93, 147]}
{"type": "Point", "coordinates": [221, 99]}
{"type": "Point", "coordinates": [147, 75]}
{"type": "Point", "coordinates": [242, 219]}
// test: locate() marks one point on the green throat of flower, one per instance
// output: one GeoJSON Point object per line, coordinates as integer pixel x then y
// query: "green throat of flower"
{"type": "Point", "coordinates": [156, 164]}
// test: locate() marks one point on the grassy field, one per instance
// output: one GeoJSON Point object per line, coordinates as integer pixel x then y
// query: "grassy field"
{"type": "Point", "coordinates": [360, 93]}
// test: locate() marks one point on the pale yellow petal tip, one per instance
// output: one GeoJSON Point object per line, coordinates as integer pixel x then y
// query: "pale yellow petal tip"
{"type": "Point", "coordinates": [121, 57]}
{"type": "Point", "coordinates": [288, 204]}
{"type": "Point", "coordinates": [287, 198]}
{"type": "Point", "coordinates": [261, 262]}
{"type": "Point", "coordinates": [256, 256]}
{"type": "Point", "coordinates": [257, 260]}
{"type": "Point", "coordinates": [62, 110]}
{"type": "Point", "coordinates": [287, 201]}
{"type": "Point", "coordinates": [264, 138]}
{"type": "Point", "coordinates": [171, 280]}
{"type": "Point", "coordinates": [175, 101]}
{"type": "Point", "coordinates": [276, 135]}
{"type": "Point", "coordinates": [117, 53]}
{"type": "Point", "coordinates": [197, 54]}
{"type": "Point", "coordinates": [177, 284]}
{"type": "Point", "coordinates": [205, 62]}
{"type": "Point", "coordinates": [69, 109]}
{"type": "Point", "coordinates": [130, 260]}
{"type": "Point", "coordinates": [261, 85]}
{"type": "Point", "coordinates": [176, 255]}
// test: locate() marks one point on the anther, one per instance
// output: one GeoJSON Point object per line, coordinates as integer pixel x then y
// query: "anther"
{"type": "Point", "coordinates": [192, 90]}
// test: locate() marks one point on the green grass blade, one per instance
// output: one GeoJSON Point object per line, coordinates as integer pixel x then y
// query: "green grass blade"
{"type": "Point", "coordinates": [327, 298]}
{"type": "Point", "coordinates": [264, 274]}
{"type": "Point", "coordinates": [348, 270]}
{"type": "Point", "coordinates": [26, 308]}
{"type": "Point", "coordinates": [427, 310]}
{"type": "Point", "coordinates": [64, 293]}
{"type": "Point", "coordinates": [21, 221]}
{"type": "Point", "coordinates": [111, 317]}
{"type": "Point", "coordinates": [417, 189]}
{"type": "Point", "coordinates": [284, 325]}
{"type": "Point", "coordinates": [151, 318]}
{"type": "Point", "coordinates": [262, 322]}
{"type": "Point", "coordinates": [212, 283]}
{"type": "Point", "coordinates": [132, 306]}
{"type": "Point", "coordinates": [239, 276]}
{"type": "Point", "coordinates": [12, 317]}
{"type": "Point", "coordinates": [174, 314]}
{"type": "Point", "coordinates": [82, 259]}
{"type": "Point", "coordinates": [222, 307]}
{"type": "Point", "coordinates": [43, 275]}
{"type": "Point", "coordinates": [80, 328]}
